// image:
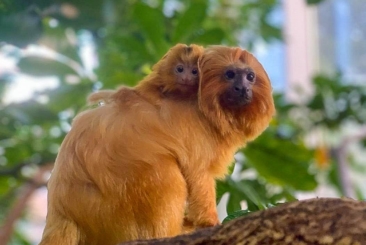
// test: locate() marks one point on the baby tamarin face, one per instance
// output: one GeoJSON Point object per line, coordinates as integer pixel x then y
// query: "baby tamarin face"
{"type": "Point", "coordinates": [186, 74]}
{"type": "Point", "coordinates": [179, 71]}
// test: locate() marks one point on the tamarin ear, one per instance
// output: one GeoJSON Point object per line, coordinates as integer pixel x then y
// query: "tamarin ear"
{"type": "Point", "coordinates": [101, 95]}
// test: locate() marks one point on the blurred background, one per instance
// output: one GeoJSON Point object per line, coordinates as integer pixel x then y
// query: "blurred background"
{"type": "Point", "coordinates": [54, 53]}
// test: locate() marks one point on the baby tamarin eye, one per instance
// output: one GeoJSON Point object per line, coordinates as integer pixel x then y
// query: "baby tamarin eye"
{"type": "Point", "coordinates": [179, 68]}
{"type": "Point", "coordinates": [195, 71]}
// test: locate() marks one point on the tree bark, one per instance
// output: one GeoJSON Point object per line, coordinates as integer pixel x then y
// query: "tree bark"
{"type": "Point", "coordinates": [315, 221]}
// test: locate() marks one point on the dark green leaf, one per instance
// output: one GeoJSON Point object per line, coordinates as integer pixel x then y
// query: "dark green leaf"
{"type": "Point", "coordinates": [313, 1]}
{"type": "Point", "coordinates": [233, 203]}
{"type": "Point", "coordinates": [151, 22]}
{"type": "Point", "coordinates": [242, 190]}
{"type": "Point", "coordinates": [281, 161]}
{"type": "Point", "coordinates": [221, 189]}
{"type": "Point", "coordinates": [190, 21]}
{"type": "Point", "coordinates": [235, 215]}
{"type": "Point", "coordinates": [209, 37]}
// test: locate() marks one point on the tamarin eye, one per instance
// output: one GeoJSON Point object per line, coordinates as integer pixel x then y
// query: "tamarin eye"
{"type": "Point", "coordinates": [179, 69]}
{"type": "Point", "coordinates": [195, 71]}
{"type": "Point", "coordinates": [229, 74]}
{"type": "Point", "coordinates": [250, 76]}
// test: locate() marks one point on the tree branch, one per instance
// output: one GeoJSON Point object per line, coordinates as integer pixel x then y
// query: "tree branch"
{"type": "Point", "coordinates": [16, 211]}
{"type": "Point", "coordinates": [313, 221]}
{"type": "Point", "coordinates": [14, 171]}
{"type": "Point", "coordinates": [341, 156]}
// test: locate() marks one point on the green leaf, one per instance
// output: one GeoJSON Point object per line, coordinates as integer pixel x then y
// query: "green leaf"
{"type": "Point", "coordinates": [190, 21]}
{"type": "Point", "coordinates": [29, 112]}
{"type": "Point", "coordinates": [151, 22]}
{"type": "Point", "coordinates": [209, 37]}
{"type": "Point", "coordinates": [40, 66]}
{"type": "Point", "coordinates": [281, 161]}
{"type": "Point", "coordinates": [236, 214]}
{"type": "Point", "coordinates": [69, 96]}
{"type": "Point", "coordinates": [233, 203]}
{"type": "Point", "coordinates": [221, 189]}
{"type": "Point", "coordinates": [269, 31]}
{"type": "Point", "coordinates": [231, 168]}
{"type": "Point", "coordinates": [243, 190]}
{"type": "Point", "coordinates": [18, 153]}
{"type": "Point", "coordinates": [251, 194]}
{"type": "Point", "coordinates": [135, 50]}
{"type": "Point", "coordinates": [313, 1]}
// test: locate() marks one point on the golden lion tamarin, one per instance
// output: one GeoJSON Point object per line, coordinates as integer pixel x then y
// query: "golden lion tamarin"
{"type": "Point", "coordinates": [234, 106]}
{"type": "Point", "coordinates": [108, 184]}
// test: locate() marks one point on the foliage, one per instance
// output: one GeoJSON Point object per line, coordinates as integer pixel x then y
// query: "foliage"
{"type": "Point", "coordinates": [314, 1]}
{"type": "Point", "coordinates": [129, 37]}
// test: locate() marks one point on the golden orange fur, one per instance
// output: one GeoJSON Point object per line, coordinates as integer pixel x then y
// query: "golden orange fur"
{"type": "Point", "coordinates": [127, 169]}
{"type": "Point", "coordinates": [108, 184]}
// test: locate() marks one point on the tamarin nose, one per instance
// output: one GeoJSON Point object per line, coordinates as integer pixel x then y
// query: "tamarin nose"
{"type": "Point", "coordinates": [237, 88]}
{"type": "Point", "coordinates": [188, 81]}
{"type": "Point", "coordinates": [242, 90]}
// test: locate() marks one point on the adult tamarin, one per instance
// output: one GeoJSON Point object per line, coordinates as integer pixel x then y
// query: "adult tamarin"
{"type": "Point", "coordinates": [116, 177]}
{"type": "Point", "coordinates": [234, 106]}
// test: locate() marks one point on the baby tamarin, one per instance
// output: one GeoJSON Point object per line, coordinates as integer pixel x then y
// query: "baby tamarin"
{"type": "Point", "coordinates": [116, 177]}
{"type": "Point", "coordinates": [175, 76]}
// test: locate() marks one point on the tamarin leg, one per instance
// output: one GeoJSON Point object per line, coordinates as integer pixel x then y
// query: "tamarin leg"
{"type": "Point", "coordinates": [201, 208]}
{"type": "Point", "coordinates": [160, 200]}
{"type": "Point", "coordinates": [139, 201]}
{"type": "Point", "coordinates": [60, 231]}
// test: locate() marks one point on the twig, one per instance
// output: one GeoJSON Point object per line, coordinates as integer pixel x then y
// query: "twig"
{"type": "Point", "coordinates": [16, 211]}
{"type": "Point", "coordinates": [14, 171]}
{"type": "Point", "coordinates": [341, 155]}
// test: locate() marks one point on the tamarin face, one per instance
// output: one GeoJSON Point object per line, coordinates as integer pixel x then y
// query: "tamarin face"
{"type": "Point", "coordinates": [234, 88]}
{"type": "Point", "coordinates": [240, 81]}
{"type": "Point", "coordinates": [233, 78]}
{"type": "Point", "coordinates": [178, 69]}
{"type": "Point", "coordinates": [186, 74]}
